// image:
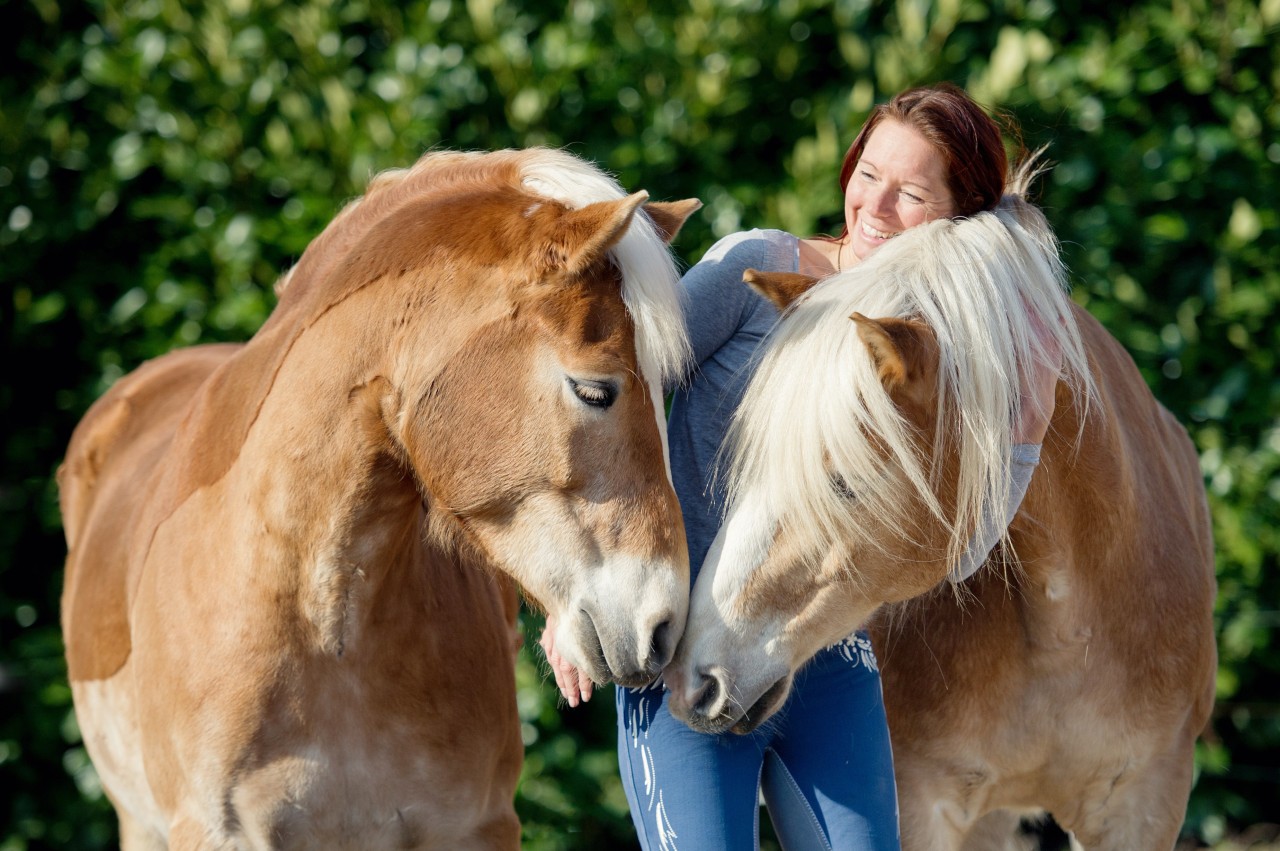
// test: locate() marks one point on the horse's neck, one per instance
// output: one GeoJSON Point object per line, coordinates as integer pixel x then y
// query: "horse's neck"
{"type": "Point", "coordinates": [320, 475]}
{"type": "Point", "coordinates": [319, 465]}
{"type": "Point", "coordinates": [372, 553]}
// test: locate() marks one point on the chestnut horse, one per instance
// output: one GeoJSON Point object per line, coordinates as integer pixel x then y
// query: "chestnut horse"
{"type": "Point", "coordinates": [289, 613]}
{"type": "Point", "coordinates": [1074, 671]}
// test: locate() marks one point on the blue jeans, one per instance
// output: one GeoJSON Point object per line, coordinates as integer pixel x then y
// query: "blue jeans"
{"type": "Point", "coordinates": [823, 764]}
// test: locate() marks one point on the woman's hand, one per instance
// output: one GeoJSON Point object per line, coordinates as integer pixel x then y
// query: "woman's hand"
{"type": "Point", "coordinates": [1036, 405]}
{"type": "Point", "coordinates": [574, 685]}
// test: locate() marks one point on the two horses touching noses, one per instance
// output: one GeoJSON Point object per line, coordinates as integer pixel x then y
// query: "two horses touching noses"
{"type": "Point", "coordinates": [290, 606]}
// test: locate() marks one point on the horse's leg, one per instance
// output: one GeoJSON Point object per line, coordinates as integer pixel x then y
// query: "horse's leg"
{"type": "Point", "coordinates": [928, 818]}
{"type": "Point", "coordinates": [499, 834]}
{"type": "Point", "coordinates": [188, 834]}
{"type": "Point", "coordinates": [1142, 808]}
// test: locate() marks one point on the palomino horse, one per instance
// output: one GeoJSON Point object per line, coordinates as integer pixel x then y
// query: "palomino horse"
{"type": "Point", "coordinates": [288, 612]}
{"type": "Point", "coordinates": [1073, 673]}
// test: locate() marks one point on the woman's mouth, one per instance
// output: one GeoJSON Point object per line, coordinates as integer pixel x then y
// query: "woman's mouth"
{"type": "Point", "coordinates": [871, 233]}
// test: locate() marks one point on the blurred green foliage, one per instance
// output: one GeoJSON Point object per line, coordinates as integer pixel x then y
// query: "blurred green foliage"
{"type": "Point", "coordinates": [162, 162]}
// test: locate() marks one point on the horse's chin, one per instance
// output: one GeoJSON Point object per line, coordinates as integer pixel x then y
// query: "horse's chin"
{"type": "Point", "coordinates": [768, 703]}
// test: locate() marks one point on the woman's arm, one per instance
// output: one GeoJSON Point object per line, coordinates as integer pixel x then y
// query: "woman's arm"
{"type": "Point", "coordinates": [717, 302]}
{"type": "Point", "coordinates": [1035, 409]}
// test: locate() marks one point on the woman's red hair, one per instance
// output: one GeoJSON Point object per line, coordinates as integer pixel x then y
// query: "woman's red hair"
{"type": "Point", "coordinates": [969, 140]}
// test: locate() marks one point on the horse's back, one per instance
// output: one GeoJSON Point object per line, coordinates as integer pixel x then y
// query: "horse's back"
{"type": "Point", "coordinates": [111, 467]}
{"type": "Point", "coordinates": [1141, 487]}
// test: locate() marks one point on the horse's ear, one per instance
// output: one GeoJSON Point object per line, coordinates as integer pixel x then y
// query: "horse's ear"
{"type": "Point", "coordinates": [669, 216]}
{"type": "Point", "coordinates": [586, 234]}
{"type": "Point", "coordinates": [889, 346]}
{"type": "Point", "coordinates": [781, 288]}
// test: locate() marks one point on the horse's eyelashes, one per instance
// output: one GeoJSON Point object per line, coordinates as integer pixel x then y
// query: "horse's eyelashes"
{"type": "Point", "coordinates": [597, 394]}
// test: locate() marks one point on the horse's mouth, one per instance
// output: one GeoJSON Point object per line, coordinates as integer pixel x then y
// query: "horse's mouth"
{"type": "Point", "coordinates": [599, 668]}
{"type": "Point", "coordinates": [768, 703]}
{"type": "Point", "coordinates": [595, 666]}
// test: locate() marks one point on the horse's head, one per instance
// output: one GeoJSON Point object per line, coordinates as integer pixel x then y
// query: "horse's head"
{"type": "Point", "coordinates": [537, 312]}
{"type": "Point", "coordinates": [861, 457]}
{"type": "Point", "coordinates": [776, 586]}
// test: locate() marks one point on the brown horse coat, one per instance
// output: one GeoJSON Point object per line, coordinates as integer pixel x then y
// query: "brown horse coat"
{"type": "Point", "coordinates": [1076, 680]}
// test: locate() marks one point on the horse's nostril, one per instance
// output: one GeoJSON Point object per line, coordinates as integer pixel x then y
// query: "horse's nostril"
{"type": "Point", "coordinates": [707, 695]}
{"type": "Point", "coordinates": [661, 646]}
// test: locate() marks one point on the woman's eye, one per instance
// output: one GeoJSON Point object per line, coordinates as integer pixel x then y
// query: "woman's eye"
{"type": "Point", "coordinates": [597, 394]}
{"type": "Point", "coordinates": [914, 199]}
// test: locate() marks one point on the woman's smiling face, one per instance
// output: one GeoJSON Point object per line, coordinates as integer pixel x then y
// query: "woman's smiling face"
{"type": "Point", "coordinates": [899, 182]}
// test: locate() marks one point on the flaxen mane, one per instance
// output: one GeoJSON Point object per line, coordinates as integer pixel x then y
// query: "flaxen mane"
{"type": "Point", "coordinates": [976, 282]}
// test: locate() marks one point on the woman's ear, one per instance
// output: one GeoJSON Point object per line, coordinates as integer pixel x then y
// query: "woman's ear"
{"type": "Point", "coordinates": [781, 288]}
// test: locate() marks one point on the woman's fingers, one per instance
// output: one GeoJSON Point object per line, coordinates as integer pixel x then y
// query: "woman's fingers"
{"type": "Point", "coordinates": [574, 685]}
{"type": "Point", "coordinates": [584, 686]}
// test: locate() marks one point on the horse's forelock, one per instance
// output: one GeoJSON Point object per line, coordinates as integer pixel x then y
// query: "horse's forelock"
{"type": "Point", "coordinates": [650, 282]}
{"type": "Point", "coordinates": [975, 282]}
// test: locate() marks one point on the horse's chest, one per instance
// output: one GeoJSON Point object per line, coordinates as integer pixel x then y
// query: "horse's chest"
{"type": "Point", "coordinates": [371, 768]}
{"type": "Point", "coordinates": [353, 795]}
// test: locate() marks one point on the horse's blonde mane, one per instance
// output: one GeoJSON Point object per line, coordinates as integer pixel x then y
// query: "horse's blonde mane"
{"type": "Point", "coordinates": [651, 288]}
{"type": "Point", "coordinates": [650, 282]}
{"type": "Point", "coordinates": [815, 408]}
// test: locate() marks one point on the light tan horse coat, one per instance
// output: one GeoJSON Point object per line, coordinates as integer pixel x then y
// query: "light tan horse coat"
{"type": "Point", "coordinates": [289, 611]}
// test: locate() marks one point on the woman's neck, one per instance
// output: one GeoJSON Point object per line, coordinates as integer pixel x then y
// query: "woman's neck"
{"type": "Point", "coordinates": [823, 256]}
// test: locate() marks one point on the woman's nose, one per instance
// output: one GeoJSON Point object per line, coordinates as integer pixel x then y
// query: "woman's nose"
{"type": "Point", "coordinates": [882, 202]}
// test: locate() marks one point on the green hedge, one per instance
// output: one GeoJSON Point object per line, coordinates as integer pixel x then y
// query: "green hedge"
{"type": "Point", "coordinates": [161, 162]}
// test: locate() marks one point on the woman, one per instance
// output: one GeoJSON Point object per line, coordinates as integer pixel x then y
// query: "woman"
{"type": "Point", "coordinates": [823, 762]}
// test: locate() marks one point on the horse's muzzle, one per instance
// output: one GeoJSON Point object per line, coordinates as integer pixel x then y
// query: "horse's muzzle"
{"type": "Point", "coordinates": [709, 706]}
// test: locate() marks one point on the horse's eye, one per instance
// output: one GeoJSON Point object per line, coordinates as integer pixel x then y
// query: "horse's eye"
{"type": "Point", "coordinates": [597, 394]}
{"type": "Point", "coordinates": [841, 487]}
